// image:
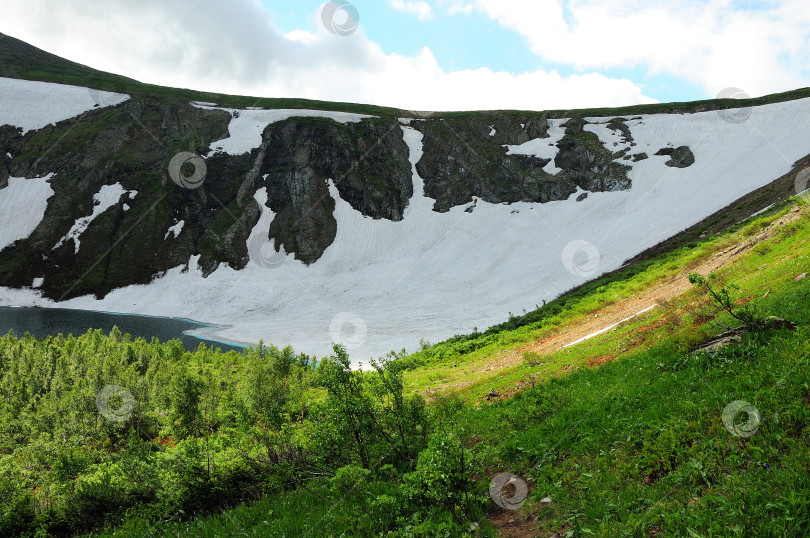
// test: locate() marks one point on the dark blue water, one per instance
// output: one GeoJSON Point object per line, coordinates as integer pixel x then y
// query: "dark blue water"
{"type": "Point", "coordinates": [41, 322]}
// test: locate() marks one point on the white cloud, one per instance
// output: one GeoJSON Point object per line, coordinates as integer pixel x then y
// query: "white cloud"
{"type": "Point", "coordinates": [234, 48]}
{"type": "Point", "coordinates": [301, 36]}
{"type": "Point", "coordinates": [460, 8]}
{"type": "Point", "coordinates": [711, 43]}
{"type": "Point", "coordinates": [421, 8]}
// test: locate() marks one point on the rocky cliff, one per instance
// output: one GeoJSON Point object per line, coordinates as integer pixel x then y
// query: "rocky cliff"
{"type": "Point", "coordinates": [133, 143]}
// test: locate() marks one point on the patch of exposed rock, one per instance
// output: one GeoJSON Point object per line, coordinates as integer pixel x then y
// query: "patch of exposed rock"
{"type": "Point", "coordinates": [464, 160]}
{"type": "Point", "coordinates": [680, 157]}
{"type": "Point", "coordinates": [368, 162]}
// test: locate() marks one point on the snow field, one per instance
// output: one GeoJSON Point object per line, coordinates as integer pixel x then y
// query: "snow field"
{"type": "Point", "coordinates": [31, 105]}
{"type": "Point", "coordinates": [22, 207]}
{"type": "Point", "coordinates": [246, 127]}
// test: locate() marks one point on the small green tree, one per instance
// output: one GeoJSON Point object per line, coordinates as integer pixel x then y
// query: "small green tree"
{"type": "Point", "coordinates": [347, 425]}
{"type": "Point", "coordinates": [403, 421]}
{"type": "Point", "coordinates": [366, 415]}
{"type": "Point", "coordinates": [747, 314]}
{"type": "Point", "coordinates": [185, 394]}
{"type": "Point", "coordinates": [17, 509]}
{"type": "Point", "coordinates": [69, 465]}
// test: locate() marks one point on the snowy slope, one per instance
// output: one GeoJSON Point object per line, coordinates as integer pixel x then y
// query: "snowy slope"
{"type": "Point", "coordinates": [384, 285]}
{"type": "Point", "coordinates": [246, 126]}
{"type": "Point", "coordinates": [22, 205]}
{"type": "Point", "coordinates": [32, 105]}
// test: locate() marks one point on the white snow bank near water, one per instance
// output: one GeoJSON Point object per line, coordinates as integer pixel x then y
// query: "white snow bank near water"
{"type": "Point", "coordinates": [32, 105]}
{"type": "Point", "coordinates": [22, 206]}
{"type": "Point", "coordinates": [384, 285]}
{"type": "Point", "coordinates": [246, 127]}
{"type": "Point", "coordinates": [104, 199]}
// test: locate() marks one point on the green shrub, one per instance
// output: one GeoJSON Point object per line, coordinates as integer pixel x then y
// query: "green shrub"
{"type": "Point", "coordinates": [443, 478]}
{"type": "Point", "coordinates": [17, 509]}
{"type": "Point", "coordinates": [350, 480]}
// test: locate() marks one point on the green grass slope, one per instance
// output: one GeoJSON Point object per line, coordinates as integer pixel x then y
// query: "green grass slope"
{"type": "Point", "coordinates": [21, 60]}
{"type": "Point", "coordinates": [636, 446]}
{"type": "Point", "coordinates": [216, 444]}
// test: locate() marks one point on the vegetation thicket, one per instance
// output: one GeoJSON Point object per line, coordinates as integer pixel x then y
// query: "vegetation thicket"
{"type": "Point", "coordinates": [106, 434]}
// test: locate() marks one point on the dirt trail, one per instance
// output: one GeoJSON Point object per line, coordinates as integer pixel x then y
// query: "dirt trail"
{"type": "Point", "coordinates": [658, 293]}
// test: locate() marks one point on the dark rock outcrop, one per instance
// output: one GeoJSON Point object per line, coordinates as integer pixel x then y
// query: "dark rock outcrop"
{"type": "Point", "coordinates": [368, 162]}
{"type": "Point", "coordinates": [618, 124]}
{"type": "Point", "coordinates": [681, 157]}
{"type": "Point", "coordinates": [587, 163]}
{"type": "Point", "coordinates": [133, 143]}
{"type": "Point", "coordinates": [461, 161]}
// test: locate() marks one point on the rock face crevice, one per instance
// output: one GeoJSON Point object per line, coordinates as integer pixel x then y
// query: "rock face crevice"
{"type": "Point", "coordinates": [10, 139]}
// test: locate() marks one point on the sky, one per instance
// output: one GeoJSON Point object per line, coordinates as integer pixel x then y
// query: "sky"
{"type": "Point", "coordinates": [427, 55]}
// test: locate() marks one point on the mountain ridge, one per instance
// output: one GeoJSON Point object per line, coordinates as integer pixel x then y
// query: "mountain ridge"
{"type": "Point", "coordinates": [19, 59]}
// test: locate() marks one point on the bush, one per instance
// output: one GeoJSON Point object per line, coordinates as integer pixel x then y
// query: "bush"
{"type": "Point", "coordinates": [349, 481]}
{"type": "Point", "coordinates": [18, 509]}
{"type": "Point", "coordinates": [443, 478]}
{"type": "Point", "coordinates": [366, 418]}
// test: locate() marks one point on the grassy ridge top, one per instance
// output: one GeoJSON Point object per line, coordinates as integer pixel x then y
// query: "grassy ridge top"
{"type": "Point", "coordinates": [21, 60]}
